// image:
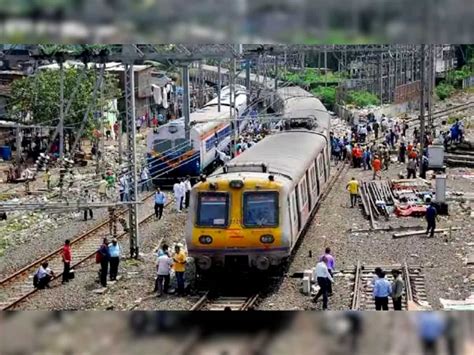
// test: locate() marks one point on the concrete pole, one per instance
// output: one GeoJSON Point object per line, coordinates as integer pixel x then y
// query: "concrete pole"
{"type": "Point", "coordinates": [219, 84]}
{"type": "Point", "coordinates": [276, 74]}
{"type": "Point", "coordinates": [186, 103]}
{"type": "Point", "coordinates": [233, 118]}
{"type": "Point", "coordinates": [61, 109]}
{"type": "Point", "coordinates": [422, 103]}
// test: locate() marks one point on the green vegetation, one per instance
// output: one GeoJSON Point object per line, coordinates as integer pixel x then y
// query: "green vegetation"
{"type": "Point", "coordinates": [327, 95]}
{"type": "Point", "coordinates": [312, 78]}
{"type": "Point", "coordinates": [444, 90]}
{"type": "Point", "coordinates": [39, 95]}
{"type": "Point", "coordinates": [362, 98]}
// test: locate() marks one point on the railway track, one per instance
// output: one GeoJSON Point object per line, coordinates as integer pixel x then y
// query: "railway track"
{"type": "Point", "coordinates": [415, 291]}
{"type": "Point", "coordinates": [18, 286]}
{"type": "Point", "coordinates": [442, 113]}
{"type": "Point", "coordinates": [225, 303]}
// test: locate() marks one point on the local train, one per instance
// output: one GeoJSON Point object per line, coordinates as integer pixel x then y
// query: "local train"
{"type": "Point", "coordinates": [169, 155]}
{"type": "Point", "coordinates": [250, 213]}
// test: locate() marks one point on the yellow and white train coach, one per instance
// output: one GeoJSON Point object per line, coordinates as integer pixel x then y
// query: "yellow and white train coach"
{"type": "Point", "coordinates": [250, 213]}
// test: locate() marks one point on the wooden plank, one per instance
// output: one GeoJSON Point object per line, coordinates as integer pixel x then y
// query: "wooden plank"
{"type": "Point", "coordinates": [421, 232]}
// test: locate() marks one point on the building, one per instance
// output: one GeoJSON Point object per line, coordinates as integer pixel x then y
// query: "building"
{"type": "Point", "coordinates": [143, 82]}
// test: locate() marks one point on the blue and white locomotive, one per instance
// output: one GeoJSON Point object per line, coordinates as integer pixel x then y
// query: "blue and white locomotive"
{"type": "Point", "coordinates": [170, 156]}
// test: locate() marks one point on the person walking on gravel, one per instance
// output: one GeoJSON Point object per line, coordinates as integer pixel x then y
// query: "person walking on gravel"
{"type": "Point", "coordinates": [323, 277]}
{"type": "Point", "coordinates": [377, 167]}
{"type": "Point", "coordinates": [331, 266]}
{"type": "Point", "coordinates": [353, 188]}
{"type": "Point", "coordinates": [431, 216]}
{"type": "Point", "coordinates": [160, 200]}
{"type": "Point", "coordinates": [66, 255]}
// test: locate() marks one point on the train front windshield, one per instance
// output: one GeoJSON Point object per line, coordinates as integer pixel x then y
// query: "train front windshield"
{"type": "Point", "coordinates": [213, 209]}
{"type": "Point", "coordinates": [261, 209]}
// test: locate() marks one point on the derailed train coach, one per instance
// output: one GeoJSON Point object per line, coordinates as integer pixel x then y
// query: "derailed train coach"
{"type": "Point", "coordinates": [171, 156]}
{"type": "Point", "coordinates": [250, 213]}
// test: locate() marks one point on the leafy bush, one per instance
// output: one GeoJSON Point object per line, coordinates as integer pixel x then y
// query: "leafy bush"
{"type": "Point", "coordinates": [326, 94]}
{"type": "Point", "coordinates": [444, 90]}
{"type": "Point", "coordinates": [362, 98]}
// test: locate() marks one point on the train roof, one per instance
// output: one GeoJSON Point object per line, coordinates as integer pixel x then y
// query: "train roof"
{"type": "Point", "coordinates": [287, 153]}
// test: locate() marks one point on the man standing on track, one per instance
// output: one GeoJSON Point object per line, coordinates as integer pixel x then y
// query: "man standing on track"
{"type": "Point", "coordinates": [382, 289]}
{"type": "Point", "coordinates": [323, 277]}
{"type": "Point", "coordinates": [179, 266]}
{"type": "Point", "coordinates": [66, 255]}
{"type": "Point", "coordinates": [177, 195]}
{"type": "Point", "coordinates": [353, 188]}
{"type": "Point", "coordinates": [397, 290]}
{"type": "Point", "coordinates": [160, 200]}
{"type": "Point", "coordinates": [103, 257]}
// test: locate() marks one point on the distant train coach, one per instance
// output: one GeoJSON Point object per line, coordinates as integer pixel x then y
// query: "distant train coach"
{"type": "Point", "coordinates": [251, 213]}
{"type": "Point", "coordinates": [170, 155]}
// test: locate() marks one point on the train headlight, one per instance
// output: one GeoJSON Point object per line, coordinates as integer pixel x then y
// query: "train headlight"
{"type": "Point", "coordinates": [204, 262]}
{"type": "Point", "coordinates": [236, 184]}
{"type": "Point", "coordinates": [205, 239]}
{"type": "Point", "coordinates": [267, 239]}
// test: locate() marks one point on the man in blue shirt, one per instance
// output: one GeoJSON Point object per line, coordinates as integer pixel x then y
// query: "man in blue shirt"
{"type": "Point", "coordinates": [431, 215]}
{"type": "Point", "coordinates": [382, 289]}
{"type": "Point", "coordinates": [114, 252]}
{"type": "Point", "coordinates": [160, 200]}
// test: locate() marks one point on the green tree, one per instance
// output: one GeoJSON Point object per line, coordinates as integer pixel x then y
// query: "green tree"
{"type": "Point", "coordinates": [327, 95]}
{"type": "Point", "coordinates": [39, 96]}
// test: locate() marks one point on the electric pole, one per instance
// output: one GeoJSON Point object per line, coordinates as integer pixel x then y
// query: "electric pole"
{"type": "Point", "coordinates": [186, 103]}
{"type": "Point", "coordinates": [422, 103]}
{"type": "Point", "coordinates": [61, 109]}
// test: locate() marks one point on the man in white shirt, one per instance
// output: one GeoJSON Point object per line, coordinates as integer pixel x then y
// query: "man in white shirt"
{"type": "Point", "coordinates": [182, 187]}
{"type": "Point", "coordinates": [324, 278]}
{"type": "Point", "coordinates": [145, 179]}
{"type": "Point", "coordinates": [123, 188]}
{"type": "Point", "coordinates": [164, 264]}
{"type": "Point", "coordinates": [187, 187]}
{"type": "Point", "coordinates": [43, 276]}
{"type": "Point", "coordinates": [177, 195]}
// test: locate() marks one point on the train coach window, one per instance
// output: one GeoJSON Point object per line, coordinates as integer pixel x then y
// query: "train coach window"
{"type": "Point", "coordinates": [260, 209]}
{"type": "Point", "coordinates": [213, 209]}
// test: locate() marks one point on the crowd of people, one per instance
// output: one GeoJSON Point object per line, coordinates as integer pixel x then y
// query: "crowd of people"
{"type": "Point", "coordinates": [166, 262]}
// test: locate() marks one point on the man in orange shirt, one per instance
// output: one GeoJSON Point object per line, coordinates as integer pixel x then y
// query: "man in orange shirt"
{"type": "Point", "coordinates": [377, 166]}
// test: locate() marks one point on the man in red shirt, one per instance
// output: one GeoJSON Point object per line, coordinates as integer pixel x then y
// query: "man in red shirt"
{"type": "Point", "coordinates": [66, 254]}
{"type": "Point", "coordinates": [377, 166]}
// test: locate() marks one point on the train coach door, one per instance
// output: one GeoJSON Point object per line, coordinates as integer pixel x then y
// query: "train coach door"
{"type": "Point", "coordinates": [294, 217]}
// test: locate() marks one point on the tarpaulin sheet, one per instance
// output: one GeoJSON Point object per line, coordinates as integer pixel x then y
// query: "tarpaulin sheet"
{"type": "Point", "coordinates": [403, 211]}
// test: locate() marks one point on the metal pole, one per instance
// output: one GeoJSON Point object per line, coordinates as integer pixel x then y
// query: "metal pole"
{"type": "Point", "coordinates": [61, 109]}
{"type": "Point", "coordinates": [132, 159]}
{"type": "Point", "coordinates": [120, 149]}
{"type": "Point", "coordinates": [248, 84]}
{"type": "Point", "coordinates": [381, 77]}
{"type": "Point", "coordinates": [18, 144]}
{"type": "Point", "coordinates": [233, 119]}
{"type": "Point", "coordinates": [422, 103]}
{"type": "Point", "coordinates": [276, 74]}
{"type": "Point", "coordinates": [186, 103]}
{"type": "Point", "coordinates": [219, 84]}
{"type": "Point", "coordinates": [325, 66]}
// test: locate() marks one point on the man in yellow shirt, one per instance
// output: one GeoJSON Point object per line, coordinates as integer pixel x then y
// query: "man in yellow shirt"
{"type": "Point", "coordinates": [353, 188]}
{"type": "Point", "coordinates": [179, 266]}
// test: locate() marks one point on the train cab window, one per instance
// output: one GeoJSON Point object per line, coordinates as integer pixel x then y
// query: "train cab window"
{"type": "Point", "coordinates": [261, 209]}
{"type": "Point", "coordinates": [162, 145]}
{"type": "Point", "coordinates": [303, 192]}
{"type": "Point", "coordinates": [213, 209]}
